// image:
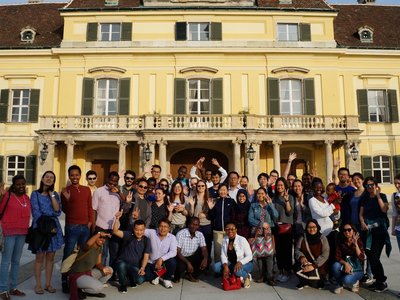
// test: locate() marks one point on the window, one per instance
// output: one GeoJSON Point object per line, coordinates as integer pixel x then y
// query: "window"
{"type": "Point", "coordinates": [110, 32]}
{"type": "Point", "coordinates": [366, 34]}
{"type": "Point", "coordinates": [381, 168]}
{"type": "Point", "coordinates": [198, 31]}
{"type": "Point", "coordinates": [106, 100]}
{"type": "Point", "coordinates": [377, 105]}
{"type": "Point", "coordinates": [199, 96]}
{"type": "Point", "coordinates": [19, 105]}
{"type": "Point", "coordinates": [15, 166]}
{"type": "Point", "coordinates": [291, 96]}
{"type": "Point", "coordinates": [293, 32]}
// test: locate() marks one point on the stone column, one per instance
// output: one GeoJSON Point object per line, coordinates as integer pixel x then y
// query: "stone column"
{"type": "Point", "coordinates": [277, 155]}
{"type": "Point", "coordinates": [142, 161]}
{"type": "Point", "coordinates": [236, 156]}
{"type": "Point", "coordinates": [162, 157]}
{"type": "Point", "coordinates": [48, 164]}
{"type": "Point", "coordinates": [70, 142]}
{"type": "Point", "coordinates": [122, 159]}
{"type": "Point", "coordinates": [328, 160]}
{"type": "Point", "coordinates": [153, 152]}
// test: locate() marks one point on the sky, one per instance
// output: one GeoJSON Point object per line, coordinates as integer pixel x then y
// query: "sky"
{"type": "Point", "coordinates": [330, 1]}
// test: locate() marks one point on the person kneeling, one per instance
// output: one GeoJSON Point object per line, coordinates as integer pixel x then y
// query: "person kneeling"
{"type": "Point", "coordinates": [88, 275]}
{"type": "Point", "coordinates": [192, 252]}
{"type": "Point", "coordinates": [132, 261]}
{"type": "Point", "coordinates": [236, 256]}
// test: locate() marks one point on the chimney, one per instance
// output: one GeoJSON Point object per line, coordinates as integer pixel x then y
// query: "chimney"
{"type": "Point", "coordinates": [35, 1]}
{"type": "Point", "coordinates": [366, 1]}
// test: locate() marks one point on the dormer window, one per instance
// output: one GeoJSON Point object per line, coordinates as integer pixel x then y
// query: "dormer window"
{"type": "Point", "coordinates": [28, 35]}
{"type": "Point", "coordinates": [366, 34]}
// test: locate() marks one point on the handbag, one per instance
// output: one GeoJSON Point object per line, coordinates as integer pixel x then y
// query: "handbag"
{"type": "Point", "coordinates": [231, 283]}
{"type": "Point", "coordinates": [284, 228]}
{"type": "Point", "coordinates": [261, 246]}
{"type": "Point", "coordinates": [1, 227]}
{"type": "Point", "coordinates": [161, 272]}
{"type": "Point", "coordinates": [355, 264]}
{"type": "Point", "coordinates": [311, 275]}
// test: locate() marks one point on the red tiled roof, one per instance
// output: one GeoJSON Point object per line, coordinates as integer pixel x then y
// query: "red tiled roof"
{"type": "Point", "coordinates": [44, 18]}
{"type": "Point", "coordinates": [296, 4]}
{"type": "Point", "coordinates": [384, 20]}
{"type": "Point", "coordinates": [100, 4]}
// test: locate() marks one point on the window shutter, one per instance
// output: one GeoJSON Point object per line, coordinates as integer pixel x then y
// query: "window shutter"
{"type": "Point", "coordinates": [34, 105]}
{"type": "Point", "coordinates": [180, 31]}
{"type": "Point", "coordinates": [309, 96]}
{"type": "Point", "coordinates": [180, 96]}
{"type": "Point", "coordinates": [87, 96]}
{"type": "Point", "coordinates": [124, 96]}
{"type": "Point", "coordinates": [216, 31]}
{"type": "Point", "coordinates": [366, 165]}
{"type": "Point", "coordinates": [30, 169]}
{"type": "Point", "coordinates": [1, 168]}
{"type": "Point", "coordinates": [91, 32]}
{"type": "Point", "coordinates": [362, 100]}
{"type": "Point", "coordinates": [273, 96]}
{"type": "Point", "coordinates": [4, 95]}
{"type": "Point", "coordinates": [392, 104]}
{"type": "Point", "coordinates": [216, 96]}
{"type": "Point", "coordinates": [305, 32]}
{"type": "Point", "coordinates": [126, 32]}
{"type": "Point", "coordinates": [396, 165]}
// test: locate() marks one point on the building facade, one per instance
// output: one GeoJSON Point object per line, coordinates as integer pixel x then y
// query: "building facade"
{"type": "Point", "coordinates": [98, 82]}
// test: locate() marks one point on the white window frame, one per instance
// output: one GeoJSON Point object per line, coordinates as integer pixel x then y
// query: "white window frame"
{"type": "Point", "coordinates": [112, 30]}
{"type": "Point", "coordinates": [12, 171]}
{"type": "Point", "coordinates": [198, 31]}
{"type": "Point", "coordinates": [291, 100]}
{"type": "Point", "coordinates": [283, 32]}
{"type": "Point", "coordinates": [381, 172]}
{"type": "Point", "coordinates": [380, 111]}
{"type": "Point", "coordinates": [198, 99]}
{"type": "Point", "coordinates": [107, 99]}
{"type": "Point", "coordinates": [20, 117]}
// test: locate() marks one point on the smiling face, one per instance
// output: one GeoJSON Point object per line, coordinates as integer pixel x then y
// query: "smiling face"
{"type": "Point", "coordinates": [233, 180]}
{"type": "Point", "coordinates": [223, 191]}
{"type": "Point", "coordinates": [298, 187]}
{"type": "Point", "coordinates": [312, 228]}
{"type": "Point", "coordinates": [347, 231]}
{"type": "Point", "coordinates": [244, 182]}
{"type": "Point", "coordinates": [280, 187]}
{"type": "Point", "coordinates": [261, 195]}
{"type": "Point", "coordinates": [138, 230]}
{"type": "Point", "coordinates": [242, 198]}
{"type": "Point", "coordinates": [343, 176]}
{"type": "Point", "coordinates": [263, 181]}
{"type": "Point", "coordinates": [230, 231]}
{"type": "Point", "coordinates": [357, 182]}
{"type": "Point", "coordinates": [74, 176]}
{"type": "Point", "coordinates": [163, 229]}
{"type": "Point", "coordinates": [20, 187]}
{"type": "Point", "coordinates": [48, 179]}
{"type": "Point", "coordinates": [112, 182]}
{"type": "Point", "coordinates": [159, 195]}
{"type": "Point", "coordinates": [318, 189]}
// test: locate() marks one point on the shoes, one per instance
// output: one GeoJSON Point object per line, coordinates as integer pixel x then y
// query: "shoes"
{"type": "Point", "coordinates": [191, 278]}
{"type": "Point", "coordinates": [81, 294]}
{"type": "Point", "coordinates": [98, 295]}
{"type": "Point", "coordinates": [320, 285]}
{"type": "Point", "coordinates": [380, 287]}
{"type": "Point", "coordinates": [168, 284]}
{"type": "Point", "coordinates": [356, 287]}
{"type": "Point", "coordinates": [39, 291]}
{"type": "Point", "coordinates": [155, 281]}
{"type": "Point", "coordinates": [300, 286]}
{"type": "Point", "coordinates": [259, 279]}
{"type": "Point", "coordinates": [122, 289]}
{"type": "Point", "coordinates": [246, 283]}
{"type": "Point", "coordinates": [50, 289]}
{"type": "Point", "coordinates": [271, 281]}
{"type": "Point", "coordinates": [5, 296]}
{"type": "Point", "coordinates": [16, 292]}
{"type": "Point", "coordinates": [284, 278]}
{"type": "Point", "coordinates": [133, 285]}
{"type": "Point", "coordinates": [176, 280]}
{"type": "Point", "coordinates": [338, 289]}
{"type": "Point", "coordinates": [65, 287]}
{"type": "Point", "coordinates": [279, 277]}
{"type": "Point", "coordinates": [367, 279]}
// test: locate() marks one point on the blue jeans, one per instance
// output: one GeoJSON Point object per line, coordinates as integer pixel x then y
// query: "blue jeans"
{"type": "Point", "coordinates": [343, 278]}
{"type": "Point", "coordinates": [128, 273]}
{"type": "Point", "coordinates": [12, 252]}
{"type": "Point", "coordinates": [243, 272]}
{"type": "Point", "coordinates": [75, 234]}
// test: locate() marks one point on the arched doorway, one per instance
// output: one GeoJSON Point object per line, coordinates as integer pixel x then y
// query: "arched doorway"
{"type": "Point", "coordinates": [189, 157]}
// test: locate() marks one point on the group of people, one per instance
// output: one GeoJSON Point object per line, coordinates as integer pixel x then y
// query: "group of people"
{"type": "Point", "coordinates": [161, 229]}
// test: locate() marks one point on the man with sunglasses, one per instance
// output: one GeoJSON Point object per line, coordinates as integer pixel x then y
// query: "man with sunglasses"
{"type": "Point", "coordinates": [142, 208]}
{"type": "Point", "coordinates": [91, 179]}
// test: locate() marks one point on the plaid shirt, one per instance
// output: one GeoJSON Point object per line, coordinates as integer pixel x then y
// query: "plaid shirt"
{"type": "Point", "coordinates": [189, 244]}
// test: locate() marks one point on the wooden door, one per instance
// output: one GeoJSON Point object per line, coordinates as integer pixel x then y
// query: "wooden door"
{"type": "Point", "coordinates": [103, 168]}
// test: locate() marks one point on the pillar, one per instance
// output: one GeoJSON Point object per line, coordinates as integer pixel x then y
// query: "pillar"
{"type": "Point", "coordinates": [328, 160]}
{"type": "Point", "coordinates": [122, 159]}
{"type": "Point", "coordinates": [277, 155]}
{"type": "Point", "coordinates": [162, 157]}
{"type": "Point", "coordinates": [70, 142]}
{"type": "Point", "coordinates": [236, 156]}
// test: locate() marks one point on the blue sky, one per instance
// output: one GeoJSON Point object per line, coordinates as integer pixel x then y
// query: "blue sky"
{"type": "Point", "coordinates": [330, 1]}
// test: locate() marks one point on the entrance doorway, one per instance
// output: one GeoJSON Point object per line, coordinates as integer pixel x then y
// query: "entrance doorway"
{"type": "Point", "coordinates": [298, 167]}
{"type": "Point", "coordinates": [103, 168]}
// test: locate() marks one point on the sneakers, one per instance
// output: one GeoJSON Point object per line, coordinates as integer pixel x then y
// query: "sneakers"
{"type": "Point", "coordinates": [168, 284]}
{"type": "Point", "coordinates": [133, 285]}
{"type": "Point", "coordinates": [356, 287]}
{"type": "Point", "coordinates": [284, 278]}
{"type": "Point", "coordinates": [338, 289]}
{"type": "Point", "coordinates": [5, 296]}
{"type": "Point", "coordinates": [122, 289]}
{"type": "Point", "coordinates": [300, 286]}
{"type": "Point", "coordinates": [367, 279]}
{"type": "Point", "coordinates": [17, 292]}
{"type": "Point", "coordinates": [380, 287]}
{"type": "Point", "coordinates": [246, 283]}
{"type": "Point", "coordinates": [279, 277]}
{"type": "Point", "coordinates": [271, 281]}
{"type": "Point", "coordinates": [155, 281]}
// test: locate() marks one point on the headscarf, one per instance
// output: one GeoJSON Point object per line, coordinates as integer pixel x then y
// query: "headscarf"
{"type": "Point", "coordinates": [243, 207]}
{"type": "Point", "coordinates": [313, 239]}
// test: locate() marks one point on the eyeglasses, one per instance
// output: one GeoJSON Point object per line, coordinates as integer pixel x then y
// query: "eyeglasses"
{"type": "Point", "coordinates": [312, 227]}
{"type": "Point", "coordinates": [92, 178]}
{"type": "Point", "coordinates": [370, 185]}
{"type": "Point", "coordinates": [347, 229]}
{"type": "Point", "coordinates": [201, 185]}
{"type": "Point", "coordinates": [129, 178]}
{"type": "Point", "coordinates": [163, 185]}
{"type": "Point", "coordinates": [143, 187]}
{"type": "Point", "coordinates": [230, 229]}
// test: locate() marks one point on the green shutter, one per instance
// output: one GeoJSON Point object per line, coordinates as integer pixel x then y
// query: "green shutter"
{"type": "Point", "coordinates": [34, 105]}
{"type": "Point", "coordinates": [216, 31]}
{"type": "Point", "coordinates": [305, 32]}
{"type": "Point", "coordinates": [396, 165]}
{"type": "Point", "coordinates": [180, 96]}
{"type": "Point", "coordinates": [216, 96]}
{"type": "Point", "coordinates": [91, 32]}
{"type": "Point", "coordinates": [124, 96]}
{"type": "Point", "coordinates": [126, 32]}
{"type": "Point", "coordinates": [362, 101]}
{"type": "Point", "coordinates": [180, 31]}
{"type": "Point", "coordinates": [4, 94]}
{"type": "Point", "coordinates": [2, 168]}
{"type": "Point", "coordinates": [273, 96]}
{"type": "Point", "coordinates": [392, 104]}
{"type": "Point", "coordinates": [366, 165]}
{"type": "Point", "coordinates": [87, 96]}
{"type": "Point", "coordinates": [30, 169]}
{"type": "Point", "coordinates": [309, 96]}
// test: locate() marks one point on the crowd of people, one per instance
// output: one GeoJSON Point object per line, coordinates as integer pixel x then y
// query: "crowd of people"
{"type": "Point", "coordinates": [162, 230]}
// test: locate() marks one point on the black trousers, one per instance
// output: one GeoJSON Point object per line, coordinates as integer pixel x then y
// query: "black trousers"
{"type": "Point", "coordinates": [195, 259]}
{"type": "Point", "coordinates": [374, 254]}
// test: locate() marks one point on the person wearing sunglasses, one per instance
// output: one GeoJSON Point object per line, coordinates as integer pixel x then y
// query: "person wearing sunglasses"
{"type": "Point", "coordinates": [180, 211]}
{"type": "Point", "coordinates": [142, 208]}
{"type": "Point", "coordinates": [374, 225]}
{"type": "Point", "coordinates": [348, 268]}
{"type": "Point", "coordinates": [164, 184]}
{"type": "Point", "coordinates": [91, 179]}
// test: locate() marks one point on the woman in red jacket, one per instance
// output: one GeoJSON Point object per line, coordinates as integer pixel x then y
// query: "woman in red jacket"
{"type": "Point", "coordinates": [15, 212]}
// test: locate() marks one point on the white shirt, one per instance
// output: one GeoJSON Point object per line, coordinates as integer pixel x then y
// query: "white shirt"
{"type": "Point", "coordinates": [242, 249]}
{"type": "Point", "coordinates": [321, 212]}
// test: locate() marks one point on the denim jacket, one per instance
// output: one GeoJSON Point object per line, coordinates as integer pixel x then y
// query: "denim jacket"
{"type": "Point", "coordinates": [255, 214]}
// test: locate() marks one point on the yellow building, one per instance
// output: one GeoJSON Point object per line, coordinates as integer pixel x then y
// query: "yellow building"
{"type": "Point", "coordinates": [98, 82]}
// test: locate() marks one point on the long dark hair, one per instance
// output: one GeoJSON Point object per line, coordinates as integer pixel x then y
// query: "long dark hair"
{"type": "Point", "coordinates": [41, 187]}
{"type": "Point", "coordinates": [206, 196]}
{"type": "Point", "coordinates": [172, 193]}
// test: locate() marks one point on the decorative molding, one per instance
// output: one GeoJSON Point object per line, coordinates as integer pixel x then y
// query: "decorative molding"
{"type": "Point", "coordinates": [385, 76]}
{"type": "Point", "coordinates": [199, 69]}
{"type": "Point", "coordinates": [290, 70]}
{"type": "Point", "coordinates": [21, 76]}
{"type": "Point", "coordinates": [107, 69]}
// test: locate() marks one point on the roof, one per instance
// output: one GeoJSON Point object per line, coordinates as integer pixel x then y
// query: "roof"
{"type": "Point", "coordinates": [383, 20]}
{"type": "Point", "coordinates": [44, 18]}
{"type": "Point", "coordinates": [296, 4]}
{"type": "Point", "coordinates": [101, 4]}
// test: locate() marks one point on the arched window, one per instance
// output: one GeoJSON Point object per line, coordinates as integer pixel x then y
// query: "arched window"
{"type": "Point", "coordinates": [366, 34]}
{"type": "Point", "coordinates": [28, 34]}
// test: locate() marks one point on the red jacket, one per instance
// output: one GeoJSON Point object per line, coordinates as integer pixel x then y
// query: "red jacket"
{"type": "Point", "coordinates": [16, 215]}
